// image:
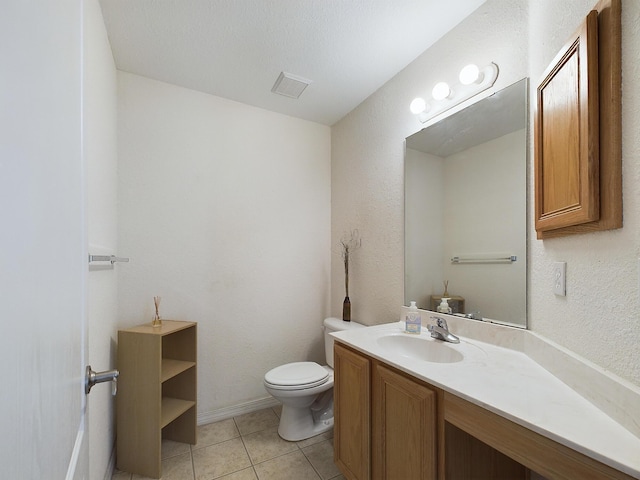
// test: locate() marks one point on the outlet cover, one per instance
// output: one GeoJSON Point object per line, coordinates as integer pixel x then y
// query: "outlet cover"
{"type": "Point", "coordinates": [560, 278]}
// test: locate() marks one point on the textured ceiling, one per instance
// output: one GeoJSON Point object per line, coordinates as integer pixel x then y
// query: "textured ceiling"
{"type": "Point", "coordinates": [237, 48]}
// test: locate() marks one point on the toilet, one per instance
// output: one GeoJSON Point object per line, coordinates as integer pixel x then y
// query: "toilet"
{"type": "Point", "coordinates": [306, 390]}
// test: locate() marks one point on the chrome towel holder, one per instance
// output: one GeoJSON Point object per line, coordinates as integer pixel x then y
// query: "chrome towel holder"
{"type": "Point", "coordinates": [106, 258]}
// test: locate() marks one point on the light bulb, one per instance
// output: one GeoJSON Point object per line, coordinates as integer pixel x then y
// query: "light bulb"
{"type": "Point", "coordinates": [418, 105]}
{"type": "Point", "coordinates": [470, 74]}
{"type": "Point", "coordinates": [441, 91]}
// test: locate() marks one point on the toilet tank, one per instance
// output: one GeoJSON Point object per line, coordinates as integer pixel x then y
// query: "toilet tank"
{"type": "Point", "coordinates": [335, 325]}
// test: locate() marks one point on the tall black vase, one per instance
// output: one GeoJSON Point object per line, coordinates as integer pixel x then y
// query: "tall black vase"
{"type": "Point", "coordinates": [346, 309]}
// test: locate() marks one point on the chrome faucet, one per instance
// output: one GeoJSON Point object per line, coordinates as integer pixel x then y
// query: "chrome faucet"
{"type": "Point", "coordinates": [441, 331]}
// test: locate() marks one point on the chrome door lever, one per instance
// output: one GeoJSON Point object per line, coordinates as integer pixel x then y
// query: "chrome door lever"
{"type": "Point", "coordinates": [91, 378]}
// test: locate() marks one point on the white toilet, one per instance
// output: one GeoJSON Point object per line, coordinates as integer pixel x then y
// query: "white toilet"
{"type": "Point", "coordinates": [306, 390]}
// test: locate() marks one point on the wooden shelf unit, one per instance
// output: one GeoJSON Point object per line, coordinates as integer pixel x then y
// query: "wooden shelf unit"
{"type": "Point", "coordinates": [156, 393]}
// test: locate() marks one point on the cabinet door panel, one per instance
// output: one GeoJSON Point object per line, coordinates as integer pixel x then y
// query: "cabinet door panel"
{"type": "Point", "coordinates": [351, 413]}
{"type": "Point", "coordinates": [404, 427]}
{"type": "Point", "coordinates": [567, 135]}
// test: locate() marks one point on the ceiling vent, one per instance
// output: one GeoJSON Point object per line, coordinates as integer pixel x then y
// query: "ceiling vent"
{"type": "Point", "coordinates": [290, 85]}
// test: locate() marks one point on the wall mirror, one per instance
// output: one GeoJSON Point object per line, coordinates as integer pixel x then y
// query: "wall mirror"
{"type": "Point", "coordinates": [466, 210]}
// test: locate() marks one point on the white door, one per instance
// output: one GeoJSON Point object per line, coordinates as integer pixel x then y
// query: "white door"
{"type": "Point", "coordinates": [43, 254]}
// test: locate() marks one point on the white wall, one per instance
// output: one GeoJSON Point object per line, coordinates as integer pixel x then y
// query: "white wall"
{"type": "Point", "coordinates": [599, 318]}
{"type": "Point", "coordinates": [367, 184]}
{"type": "Point", "coordinates": [424, 222]}
{"type": "Point", "coordinates": [455, 206]}
{"type": "Point", "coordinates": [100, 151]}
{"type": "Point", "coordinates": [224, 210]}
{"type": "Point", "coordinates": [478, 220]}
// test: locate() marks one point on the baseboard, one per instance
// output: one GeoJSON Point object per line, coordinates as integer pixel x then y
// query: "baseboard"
{"type": "Point", "coordinates": [235, 410]}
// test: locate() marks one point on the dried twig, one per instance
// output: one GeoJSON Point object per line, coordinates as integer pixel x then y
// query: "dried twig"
{"type": "Point", "coordinates": [349, 242]}
{"type": "Point", "coordinates": [156, 320]}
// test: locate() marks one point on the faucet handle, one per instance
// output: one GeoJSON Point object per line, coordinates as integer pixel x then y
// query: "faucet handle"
{"type": "Point", "coordinates": [441, 322]}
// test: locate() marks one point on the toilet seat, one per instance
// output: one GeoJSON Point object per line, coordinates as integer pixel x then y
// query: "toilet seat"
{"type": "Point", "coordinates": [296, 376]}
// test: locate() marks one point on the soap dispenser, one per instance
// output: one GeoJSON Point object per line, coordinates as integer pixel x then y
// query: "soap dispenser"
{"type": "Point", "coordinates": [413, 322]}
{"type": "Point", "coordinates": [444, 306]}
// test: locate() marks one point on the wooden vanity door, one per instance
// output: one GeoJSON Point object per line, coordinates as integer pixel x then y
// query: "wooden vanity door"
{"type": "Point", "coordinates": [351, 413]}
{"type": "Point", "coordinates": [404, 427]}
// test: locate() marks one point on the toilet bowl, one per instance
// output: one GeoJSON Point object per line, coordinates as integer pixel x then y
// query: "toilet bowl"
{"type": "Point", "coordinates": [306, 390]}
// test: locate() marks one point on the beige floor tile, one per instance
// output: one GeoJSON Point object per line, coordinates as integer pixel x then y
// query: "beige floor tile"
{"type": "Point", "coordinates": [171, 448]}
{"type": "Point", "coordinates": [246, 474]}
{"type": "Point", "coordinates": [277, 410]}
{"type": "Point", "coordinates": [267, 444]}
{"type": "Point", "coordinates": [216, 432]}
{"type": "Point", "coordinates": [256, 421]}
{"type": "Point", "coordinates": [339, 477]}
{"type": "Point", "coordinates": [287, 467]}
{"type": "Point", "coordinates": [119, 475]}
{"type": "Point", "coordinates": [174, 468]}
{"type": "Point", "coordinates": [317, 439]}
{"type": "Point", "coordinates": [321, 457]}
{"type": "Point", "coordinates": [220, 459]}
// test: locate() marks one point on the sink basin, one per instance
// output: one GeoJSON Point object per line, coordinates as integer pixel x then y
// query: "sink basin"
{"type": "Point", "coordinates": [420, 348]}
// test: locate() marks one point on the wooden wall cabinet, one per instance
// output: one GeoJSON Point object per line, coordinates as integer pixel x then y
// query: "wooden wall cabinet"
{"type": "Point", "coordinates": [567, 137]}
{"type": "Point", "coordinates": [156, 393]}
{"type": "Point", "coordinates": [577, 131]}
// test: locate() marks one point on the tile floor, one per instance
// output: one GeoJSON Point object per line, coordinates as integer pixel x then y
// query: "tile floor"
{"type": "Point", "coordinates": [246, 447]}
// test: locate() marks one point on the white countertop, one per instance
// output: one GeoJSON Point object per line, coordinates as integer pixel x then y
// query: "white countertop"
{"type": "Point", "coordinates": [510, 384]}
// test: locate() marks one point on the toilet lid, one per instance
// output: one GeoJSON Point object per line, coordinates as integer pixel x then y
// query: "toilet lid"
{"type": "Point", "coordinates": [298, 375]}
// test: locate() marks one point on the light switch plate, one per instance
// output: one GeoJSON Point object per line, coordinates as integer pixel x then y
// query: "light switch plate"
{"type": "Point", "coordinates": [560, 278]}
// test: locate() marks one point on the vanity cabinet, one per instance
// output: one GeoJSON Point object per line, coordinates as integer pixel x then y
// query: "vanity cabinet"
{"type": "Point", "coordinates": [156, 393]}
{"type": "Point", "coordinates": [352, 428]}
{"type": "Point", "coordinates": [540, 454]}
{"type": "Point", "coordinates": [391, 425]}
{"type": "Point", "coordinates": [386, 423]}
{"type": "Point", "coordinates": [404, 426]}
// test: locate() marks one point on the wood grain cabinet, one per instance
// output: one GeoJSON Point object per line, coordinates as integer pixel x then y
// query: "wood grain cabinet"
{"type": "Point", "coordinates": [156, 393]}
{"type": "Point", "coordinates": [386, 424]}
{"type": "Point", "coordinates": [352, 428]}
{"type": "Point", "coordinates": [390, 425]}
{"type": "Point", "coordinates": [404, 427]}
{"type": "Point", "coordinates": [577, 131]}
{"type": "Point", "coordinates": [566, 135]}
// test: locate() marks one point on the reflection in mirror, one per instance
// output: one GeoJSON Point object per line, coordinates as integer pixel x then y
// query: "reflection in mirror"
{"type": "Point", "coordinates": [465, 197]}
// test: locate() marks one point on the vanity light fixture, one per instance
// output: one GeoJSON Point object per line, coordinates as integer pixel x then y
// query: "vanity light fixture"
{"type": "Point", "coordinates": [441, 91]}
{"type": "Point", "coordinates": [418, 105]}
{"type": "Point", "coordinates": [473, 80]}
{"type": "Point", "coordinates": [470, 74]}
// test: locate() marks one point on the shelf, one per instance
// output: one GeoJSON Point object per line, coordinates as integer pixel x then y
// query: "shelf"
{"type": "Point", "coordinates": [171, 368]}
{"type": "Point", "coordinates": [157, 393]}
{"type": "Point", "coordinates": [172, 408]}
